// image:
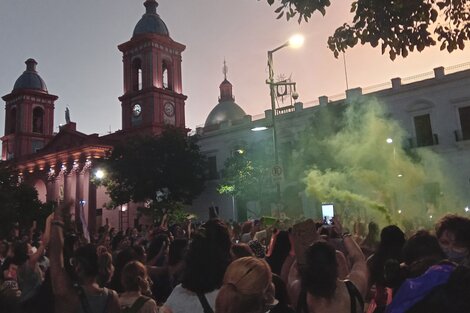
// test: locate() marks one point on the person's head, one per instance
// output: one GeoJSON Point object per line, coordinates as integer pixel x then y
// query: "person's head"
{"type": "Point", "coordinates": [256, 226]}
{"type": "Point", "coordinates": [359, 229]}
{"type": "Point", "coordinates": [207, 258]}
{"type": "Point", "coordinates": [392, 236]}
{"type": "Point", "coordinates": [106, 268]}
{"type": "Point", "coordinates": [320, 272]}
{"type": "Point", "coordinates": [247, 287]}
{"type": "Point", "coordinates": [246, 227]}
{"type": "Point", "coordinates": [3, 248]}
{"type": "Point", "coordinates": [21, 251]}
{"type": "Point", "coordinates": [85, 262]}
{"type": "Point", "coordinates": [134, 277]}
{"type": "Point", "coordinates": [140, 253]}
{"type": "Point", "coordinates": [240, 250]}
{"type": "Point", "coordinates": [420, 246]}
{"type": "Point", "coordinates": [280, 250]}
{"type": "Point", "coordinates": [177, 251]}
{"type": "Point", "coordinates": [177, 231]}
{"type": "Point", "coordinates": [161, 241]}
{"type": "Point", "coordinates": [453, 233]}
{"type": "Point", "coordinates": [373, 231]}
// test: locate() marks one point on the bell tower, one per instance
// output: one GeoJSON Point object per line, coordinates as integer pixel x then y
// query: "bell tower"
{"type": "Point", "coordinates": [29, 115]}
{"type": "Point", "coordinates": [153, 95]}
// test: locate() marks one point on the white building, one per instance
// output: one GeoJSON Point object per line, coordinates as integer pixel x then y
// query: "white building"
{"type": "Point", "coordinates": [433, 108]}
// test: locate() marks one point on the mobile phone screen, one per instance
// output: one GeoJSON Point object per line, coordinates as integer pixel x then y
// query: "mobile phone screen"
{"type": "Point", "coordinates": [327, 213]}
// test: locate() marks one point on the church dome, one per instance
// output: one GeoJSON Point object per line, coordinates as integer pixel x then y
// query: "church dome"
{"type": "Point", "coordinates": [224, 111]}
{"type": "Point", "coordinates": [30, 78]}
{"type": "Point", "coordinates": [151, 23]}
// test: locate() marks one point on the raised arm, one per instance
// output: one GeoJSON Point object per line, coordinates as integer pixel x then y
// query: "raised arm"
{"type": "Point", "coordinates": [359, 273]}
{"type": "Point", "coordinates": [61, 283]}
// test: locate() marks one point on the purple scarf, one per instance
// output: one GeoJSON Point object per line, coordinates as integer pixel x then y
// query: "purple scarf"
{"type": "Point", "coordinates": [414, 290]}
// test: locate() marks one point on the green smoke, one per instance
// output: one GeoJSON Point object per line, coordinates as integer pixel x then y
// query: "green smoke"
{"type": "Point", "coordinates": [351, 164]}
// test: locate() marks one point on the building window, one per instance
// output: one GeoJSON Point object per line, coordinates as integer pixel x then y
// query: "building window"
{"type": "Point", "coordinates": [212, 168]}
{"type": "Point", "coordinates": [464, 114]}
{"type": "Point", "coordinates": [424, 135]}
{"type": "Point", "coordinates": [166, 75]}
{"type": "Point", "coordinates": [38, 120]}
{"type": "Point", "coordinates": [137, 74]}
{"type": "Point", "coordinates": [12, 121]}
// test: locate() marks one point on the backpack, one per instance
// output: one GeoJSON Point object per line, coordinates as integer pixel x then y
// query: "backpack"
{"type": "Point", "coordinates": [136, 306]}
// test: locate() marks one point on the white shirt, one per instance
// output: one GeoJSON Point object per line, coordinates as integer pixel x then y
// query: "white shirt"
{"type": "Point", "coordinates": [182, 300]}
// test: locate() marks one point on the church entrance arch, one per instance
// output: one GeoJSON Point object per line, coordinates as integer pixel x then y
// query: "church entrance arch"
{"type": "Point", "coordinates": [41, 189]}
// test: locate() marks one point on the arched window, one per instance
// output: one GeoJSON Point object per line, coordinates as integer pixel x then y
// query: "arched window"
{"type": "Point", "coordinates": [38, 120]}
{"type": "Point", "coordinates": [12, 120]}
{"type": "Point", "coordinates": [136, 74]}
{"type": "Point", "coordinates": [166, 75]}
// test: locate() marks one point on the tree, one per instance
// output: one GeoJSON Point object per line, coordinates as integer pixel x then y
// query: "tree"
{"type": "Point", "coordinates": [247, 177]}
{"type": "Point", "coordinates": [398, 26]}
{"type": "Point", "coordinates": [19, 204]}
{"type": "Point", "coordinates": [168, 168]}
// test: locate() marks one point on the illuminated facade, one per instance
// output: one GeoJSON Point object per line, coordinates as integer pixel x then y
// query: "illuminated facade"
{"type": "Point", "coordinates": [433, 109]}
{"type": "Point", "coordinates": [60, 165]}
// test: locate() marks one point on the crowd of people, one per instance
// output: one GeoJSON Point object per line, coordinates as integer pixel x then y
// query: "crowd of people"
{"type": "Point", "coordinates": [228, 267]}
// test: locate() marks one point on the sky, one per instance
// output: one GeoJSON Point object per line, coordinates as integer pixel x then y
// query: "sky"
{"type": "Point", "coordinates": [75, 45]}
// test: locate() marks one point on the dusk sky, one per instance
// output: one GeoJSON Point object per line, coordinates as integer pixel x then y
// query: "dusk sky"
{"type": "Point", "coordinates": [75, 45]}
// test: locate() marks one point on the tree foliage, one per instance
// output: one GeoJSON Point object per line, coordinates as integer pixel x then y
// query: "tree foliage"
{"type": "Point", "coordinates": [144, 168]}
{"type": "Point", "coordinates": [247, 177]}
{"type": "Point", "coordinates": [398, 26]}
{"type": "Point", "coordinates": [19, 204]}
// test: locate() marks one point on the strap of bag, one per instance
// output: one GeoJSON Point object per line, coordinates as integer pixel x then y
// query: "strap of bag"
{"type": "Point", "coordinates": [138, 304]}
{"type": "Point", "coordinates": [354, 294]}
{"type": "Point", "coordinates": [302, 306]}
{"type": "Point", "coordinates": [205, 305]}
{"type": "Point", "coordinates": [109, 298]}
{"type": "Point", "coordinates": [83, 300]}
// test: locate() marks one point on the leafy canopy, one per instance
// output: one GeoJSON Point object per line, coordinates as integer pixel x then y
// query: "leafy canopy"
{"type": "Point", "coordinates": [143, 168]}
{"type": "Point", "coordinates": [246, 176]}
{"type": "Point", "coordinates": [19, 204]}
{"type": "Point", "coordinates": [398, 26]}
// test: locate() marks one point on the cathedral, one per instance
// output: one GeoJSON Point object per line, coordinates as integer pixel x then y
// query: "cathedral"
{"type": "Point", "coordinates": [433, 109]}
{"type": "Point", "coordinates": [59, 165]}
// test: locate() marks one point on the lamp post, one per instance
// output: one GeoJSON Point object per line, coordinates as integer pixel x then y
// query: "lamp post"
{"type": "Point", "coordinates": [295, 42]}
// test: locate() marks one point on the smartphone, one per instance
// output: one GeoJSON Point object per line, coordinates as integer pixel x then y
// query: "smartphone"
{"type": "Point", "coordinates": [328, 212]}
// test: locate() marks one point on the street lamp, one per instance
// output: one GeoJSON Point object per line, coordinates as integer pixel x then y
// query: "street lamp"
{"type": "Point", "coordinates": [295, 42]}
{"type": "Point", "coordinates": [99, 174]}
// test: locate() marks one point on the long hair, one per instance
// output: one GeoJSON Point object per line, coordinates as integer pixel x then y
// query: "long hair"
{"type": "Point", "coordinates": [320, 272]}
{"type": "Point", "coordinates": [134, 277]}
{"type": "Point", "coordinates": [280, 251]}
{"type": "Point", "coordinates": [207, 258]}
{"type": "Point", "coordinates": [390, 247]}
{"type": "Point", "coordinates": [246, 285]}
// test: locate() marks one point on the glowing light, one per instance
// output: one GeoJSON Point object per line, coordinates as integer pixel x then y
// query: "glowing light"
{"type": "Point", "coordinates": [99, 174]}
{"type": "Point", "coordinates": [240, 151]}
{"type": "Point", "coordinates": [259, 128]}
{"type": "Point", "coordinates": [400, 175]}
{"type": "Point", "coordinates": [389, 140]}
{"type": "Point", "coordinates": [466, 209]}
{"type": "Point", "coordinates": [296, 41]}
{"type": "Point", "coordinates": [124, 208]}
{"type": "Point", "coordinates": [399, 211]}
{"type": "Point", "coordinates": [430, 217]}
